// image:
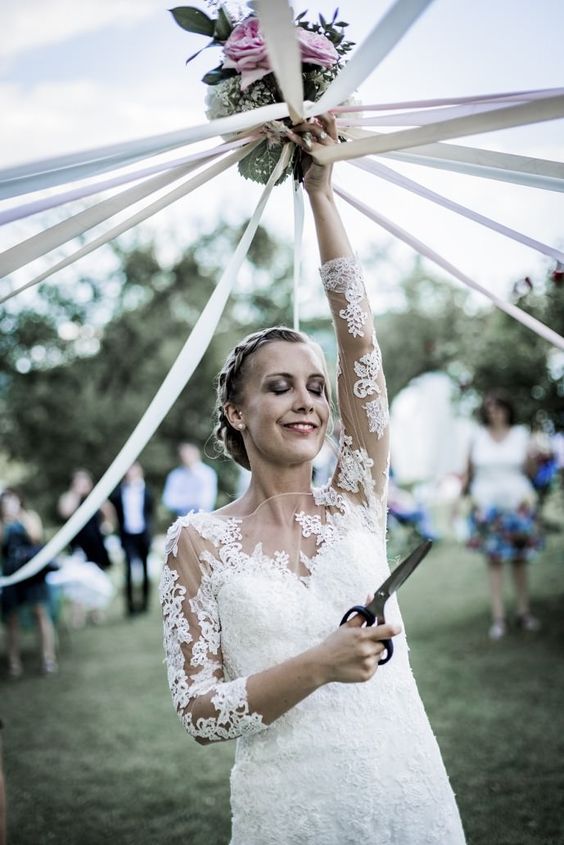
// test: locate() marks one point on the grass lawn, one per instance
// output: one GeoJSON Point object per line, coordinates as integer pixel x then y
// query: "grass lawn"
{"type": "Point", "coordinates": [97, 754]}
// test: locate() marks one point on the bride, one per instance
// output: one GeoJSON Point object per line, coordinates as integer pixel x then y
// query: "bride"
{"type": "Point", "coordinates": [331, 749]}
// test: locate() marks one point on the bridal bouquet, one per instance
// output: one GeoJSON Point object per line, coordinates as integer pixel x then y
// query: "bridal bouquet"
{"type": "Point", "coordinates": [244, 79]}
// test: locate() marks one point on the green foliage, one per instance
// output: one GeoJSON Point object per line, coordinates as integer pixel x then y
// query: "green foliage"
{"type": "Point", "coordinates": [78, 370]}
{"type": "Point", "coordinates": [439, 328]}
{"type": "Point", "coordinates": [68, 403]}
{"type": "Point", "coordinates": [333, 30]}
{"type": "Point", "coordinates": [193, 20]}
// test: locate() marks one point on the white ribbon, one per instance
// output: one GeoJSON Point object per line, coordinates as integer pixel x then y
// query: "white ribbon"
{"type": "Point", "coordinates": [419, 118]}
{"type": "Point", "coordinates": [380, 41]}
{"type": "Point", "coordinates": [488, 164]}
{"type": "Point", "coordinates": [298, 240]}
{"type": "Point", "coordinates": [403, 182]}
{"type": "Point", "coordinates": [32, 248]}
{"type": "Point", "coordinates": [474, 161]}
{"type": "Point", "coordinates": [153, 208]}
{"type": "Point", "coordinates": [175, 381]}
{"type": "Point", "coordinates": [547, 108]}
{"type": "Point", "coordinates": [506, 97]}
{"type": "Point", "coordinates": [277, 26]}
{"type": "Point", "coordinates": [24, 178]}
{"type": "Point", "coordinates": [18, 212]}
{"type": "Point", "coordinates": [513, 311]}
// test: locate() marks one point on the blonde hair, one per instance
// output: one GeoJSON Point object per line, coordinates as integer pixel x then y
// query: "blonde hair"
{"type": "Point", "coordinates": [230, 382]}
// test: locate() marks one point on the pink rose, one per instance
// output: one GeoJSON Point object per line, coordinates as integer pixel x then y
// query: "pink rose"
{"type": "Point", "coordinates": [316, 49]}
{"type": "Point", "coordinates": [245, 52]}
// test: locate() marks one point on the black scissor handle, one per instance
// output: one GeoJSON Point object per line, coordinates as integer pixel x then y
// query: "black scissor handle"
{"type": "Point", "coordinates": [370, 619]}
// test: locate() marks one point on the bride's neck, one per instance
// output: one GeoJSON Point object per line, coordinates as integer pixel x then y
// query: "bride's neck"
{"type": "Point", "coordinates": [268, 482]}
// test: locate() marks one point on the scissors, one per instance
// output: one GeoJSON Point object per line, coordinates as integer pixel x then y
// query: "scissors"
{"type": "Point", "coordinates": [374, 611]}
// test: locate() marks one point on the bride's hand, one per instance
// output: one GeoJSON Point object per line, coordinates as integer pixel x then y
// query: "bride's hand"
{"type": "Point", "coordinates": [321, 130]}
{"type": "Point", "coordinates": [350, 654]}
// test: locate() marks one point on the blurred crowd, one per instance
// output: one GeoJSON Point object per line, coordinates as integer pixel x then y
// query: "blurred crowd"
{"type": "Point", "coordinates": [119, 534]}
{"type": "Point", "coordinates": [495, 508]}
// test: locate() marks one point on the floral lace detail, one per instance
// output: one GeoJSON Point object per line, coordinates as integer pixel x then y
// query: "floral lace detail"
{"type": "Point", "coordinates": [311, 524]}
{"type": "Point", "coordinates": [176, 632]}
{"type": "Point", "coordinates": [233, 718]}
{"type": "Point", "coordinates": [327, 496]}
{"type": "Point", "coordinates": [344, 275]}
{"type": "Point", "coordinates": [378, 416]}
{"type": "Point", "coordinates": [355, 467]}
{"type": "Point", "coordinates": [367, 369]}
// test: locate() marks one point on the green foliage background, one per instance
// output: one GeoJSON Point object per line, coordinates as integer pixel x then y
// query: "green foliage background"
{"type": "Point", "coordinates": [72, 402]}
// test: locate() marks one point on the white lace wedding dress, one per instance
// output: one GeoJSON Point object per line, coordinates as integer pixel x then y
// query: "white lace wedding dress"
{"type": "Point", "coordinates": [352, 762]}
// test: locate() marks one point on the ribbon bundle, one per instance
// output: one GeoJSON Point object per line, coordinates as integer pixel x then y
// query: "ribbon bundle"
{"type": "Point", "coordinates": [430, 124]}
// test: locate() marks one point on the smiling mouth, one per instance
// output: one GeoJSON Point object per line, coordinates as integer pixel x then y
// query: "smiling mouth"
{"type": "Point", "coordinates": [302, 428]}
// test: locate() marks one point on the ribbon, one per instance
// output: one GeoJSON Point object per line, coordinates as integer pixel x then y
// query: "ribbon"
{"type": "Point", "coordinates": [547, 108]}
{"type": "Point", "coordinates": [380, 41]}
{"type": "Point", "coordinates": [505, 167]}
{"type": "Point", "coordinates": [32, 248]}
{"type": "Point", "coordinates": [18, 212]}
{"type": "Point", "coordinates": [277, 26]}
{"type": "Point", "coordinates": [517, 313]}
{"type": "Point", "coordinates": [153, 208]}
{"type": "Point", "coordinates": [298, 241]}
{"type": "Point", "coordinates": [508, 96]}
{"type": "Point", "coordinates": [24, 178]}
{"type": "Point", "coordinates": [410, 185]}
{"type": "Point", "coordinates": [176, 380]}
{"type": "Point", "coordinates": [418, 118]}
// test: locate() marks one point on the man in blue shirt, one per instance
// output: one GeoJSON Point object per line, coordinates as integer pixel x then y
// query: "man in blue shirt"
{"type": "Point", "coordinates": [191, 486]}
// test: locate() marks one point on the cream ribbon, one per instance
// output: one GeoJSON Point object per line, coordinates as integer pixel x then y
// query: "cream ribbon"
{"type": "Point", "coordinates": [380, 41]}
{"type": "Point", "coordinates": [176, 380]}
{"type": "Point", "coordinates": [25, 178]}
{"type": "Point", "coordinates": [298, 242]}
{"type": "Point", "coordinates": [505, 97]}
{"type": "Point", "coordinates": [410, 185]}
{"type": "Point", "coordinates": [32, 248]}
{"type": "Point", "coordinates": [547, 108]}
{"type": "Point", "coordinates": [277, 26]}
{"type": "Point", "coordinates": [474, 161]}
{"type": "Point", "coordinates": [517, 313]}
{"type": "Point", "coordinates": [181, 191]}
{"type": "Point", "coordinates": [18, 212]}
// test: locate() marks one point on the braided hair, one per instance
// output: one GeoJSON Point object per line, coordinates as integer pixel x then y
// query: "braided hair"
{"type": "Point", "coordinates": [230, 381]}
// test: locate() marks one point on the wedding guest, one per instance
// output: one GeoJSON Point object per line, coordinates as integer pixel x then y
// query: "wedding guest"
{"type": "Point", "coordinates": [192, 486]}
{"type": "Point", "coordinates": [20, 535]}
{"type": "Point", "coordinates": [90, 538]}
{"type": "Point", "coordinates": [504, 517]}
{"type": "Point", "coordinates": [133, 505]}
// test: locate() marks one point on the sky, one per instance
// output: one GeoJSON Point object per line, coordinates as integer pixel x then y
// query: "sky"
{"type": "Point", "coordinates": [75, 76]}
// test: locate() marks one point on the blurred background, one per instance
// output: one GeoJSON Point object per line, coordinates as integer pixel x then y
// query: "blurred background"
{"type": "Point", "coordinates": [92, 749]}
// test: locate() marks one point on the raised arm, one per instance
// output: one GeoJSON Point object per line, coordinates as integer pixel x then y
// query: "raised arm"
{"type": "Point", "coordinates": [362, 468]}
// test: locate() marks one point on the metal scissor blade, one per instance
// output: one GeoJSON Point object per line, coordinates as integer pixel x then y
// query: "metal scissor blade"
{"type": "Point", "coordinates": [400, 574]}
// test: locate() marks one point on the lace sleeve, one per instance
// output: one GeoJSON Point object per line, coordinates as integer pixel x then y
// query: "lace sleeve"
{"type": "Point", "coordinates": [210, 707]}
{"type": "Point", "coordinates": [362, 468]}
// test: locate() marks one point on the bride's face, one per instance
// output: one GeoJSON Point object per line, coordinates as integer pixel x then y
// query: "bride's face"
{"type": "Point", "coordinates": [285, 409]}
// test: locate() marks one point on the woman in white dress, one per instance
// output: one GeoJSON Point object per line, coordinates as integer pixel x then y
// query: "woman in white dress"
{"type": "Point", "coordinates": [503, 521]}
{"type": "Point", "coordinates": [331, 749]}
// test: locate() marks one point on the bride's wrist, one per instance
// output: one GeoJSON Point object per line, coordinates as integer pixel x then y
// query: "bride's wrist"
{"type": "Point", "coordinates": [317, 667]}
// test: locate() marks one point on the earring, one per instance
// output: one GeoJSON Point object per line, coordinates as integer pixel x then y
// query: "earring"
{"type": "Point", "coordinates": [241, 426]}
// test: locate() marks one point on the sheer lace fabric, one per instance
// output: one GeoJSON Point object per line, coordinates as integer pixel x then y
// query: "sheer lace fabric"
{"type": "Point", "coordinates": [242, 594]}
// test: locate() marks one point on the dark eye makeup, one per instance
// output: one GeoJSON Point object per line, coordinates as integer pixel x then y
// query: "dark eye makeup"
{"type": "Point", "coordinates": [279, 387]}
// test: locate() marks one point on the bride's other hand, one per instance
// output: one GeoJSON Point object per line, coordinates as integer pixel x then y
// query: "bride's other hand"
{"type": "Point", "coordinates": [350, 654]}
{"type": "Point", "coordinates": [321, 130]}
